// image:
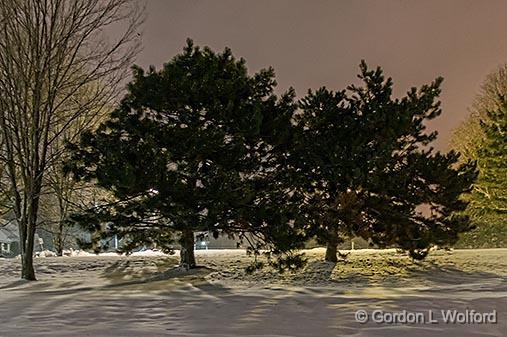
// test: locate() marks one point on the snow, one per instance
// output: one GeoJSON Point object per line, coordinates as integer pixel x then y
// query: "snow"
{"type": "Point", "coordinates": [146, 294]}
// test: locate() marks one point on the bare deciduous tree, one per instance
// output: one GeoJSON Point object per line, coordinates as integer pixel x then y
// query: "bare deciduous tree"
{"type": "Point", "coordinates": [51, 52]}
{"type": "Point", "coordinates": [468, 136]}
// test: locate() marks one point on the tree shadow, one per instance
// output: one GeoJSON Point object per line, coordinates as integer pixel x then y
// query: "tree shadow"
{"type": "Point", "coordinates": [320, 269]}
{"type": "Point", "coordinates": [15, 284]}
{"type": "Point", "coordinates": [124, 273]}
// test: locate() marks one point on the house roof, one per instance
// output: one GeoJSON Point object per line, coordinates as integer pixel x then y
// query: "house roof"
{"type": "Point", "coordinates": [8, 233]}
{"type": "Point", "coordinates": [6, 236]}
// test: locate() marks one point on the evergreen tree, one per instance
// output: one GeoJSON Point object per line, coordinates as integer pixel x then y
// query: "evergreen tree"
{"type": "Point", "coordinates": [364, 172]}
{"type": "Point", "coordinates": [491, 187]}
{"type": "Point", "coordinates": [193, 147]}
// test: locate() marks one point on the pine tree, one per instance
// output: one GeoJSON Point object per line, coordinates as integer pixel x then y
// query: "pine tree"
{"type": "Point", "coordinates": [364, 172]}
{"type": "Point", "coordinates": [192, 147]}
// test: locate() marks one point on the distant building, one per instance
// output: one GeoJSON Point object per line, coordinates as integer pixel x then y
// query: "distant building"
{"type": "Point", "coordinates": [205, 240]}
{"type": "Point", "coordinates": [9, 239]}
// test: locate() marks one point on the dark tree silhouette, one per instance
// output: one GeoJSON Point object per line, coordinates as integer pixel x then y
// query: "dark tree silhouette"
{"type": "Point", "coordinates": [196, 146]}
{"type": "Point", "coordinates": [362, 166]}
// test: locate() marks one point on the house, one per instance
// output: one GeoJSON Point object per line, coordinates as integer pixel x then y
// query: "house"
{"type": "Point", "coordinates": [9, 239]}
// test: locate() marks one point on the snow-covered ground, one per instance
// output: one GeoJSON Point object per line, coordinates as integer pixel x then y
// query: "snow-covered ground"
{"type": "Point", "coordinates": [146, 295]}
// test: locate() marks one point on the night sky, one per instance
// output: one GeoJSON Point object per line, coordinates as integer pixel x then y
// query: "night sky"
{"type": "Point", "coordinates": [320, 43]}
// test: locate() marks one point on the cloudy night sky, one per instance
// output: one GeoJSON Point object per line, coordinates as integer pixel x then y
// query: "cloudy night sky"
{"type": "Point", "coordinates": [320, 43]}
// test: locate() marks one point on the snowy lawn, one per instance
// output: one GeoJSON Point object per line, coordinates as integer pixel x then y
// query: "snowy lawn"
{"type": "Point", "coordinates": [145, 295]}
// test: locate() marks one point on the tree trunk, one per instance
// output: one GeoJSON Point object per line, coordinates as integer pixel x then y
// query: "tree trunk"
{"type": "Point", "coordinates": [28, 226]}
{"type": "Point", "coordinates": [61, 214]}
{"type": "Point", "coordinates": [59, 239]}
{"type": "Point", "coordinates": [187, 257]}
{"type": "Point", "coordinates": [26, 245]}
{"type": "Point", "coordinates": [331, 250]}
{"type": "Point", "coordinates": [27, 219]}
{"type": "Point", "coordinates": [27, 270]}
